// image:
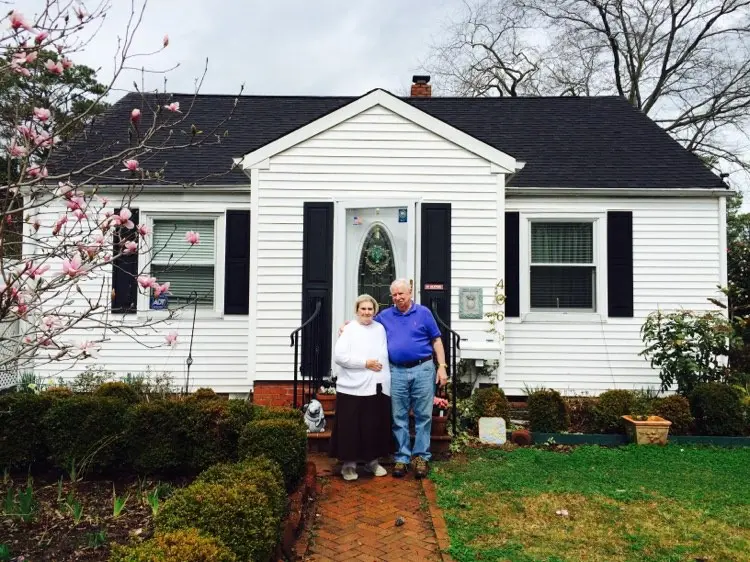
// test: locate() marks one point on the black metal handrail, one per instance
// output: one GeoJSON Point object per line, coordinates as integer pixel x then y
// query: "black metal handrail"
{"type": "Point", "coordinates": [294, 336]}
{"type": "Point", "coordinates": [455, 346]}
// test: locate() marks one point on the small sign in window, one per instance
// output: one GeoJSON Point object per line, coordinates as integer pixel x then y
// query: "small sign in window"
{"type": "Point", "coordinates": [402, 214]}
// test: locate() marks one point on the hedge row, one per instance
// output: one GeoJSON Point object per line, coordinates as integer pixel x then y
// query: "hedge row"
{"type": "Point", "coordinates": [109, 433]}
{"type": "Point", "coordinates": [711, 409]}
{"type": "Point", "coordinates": [231, 512]}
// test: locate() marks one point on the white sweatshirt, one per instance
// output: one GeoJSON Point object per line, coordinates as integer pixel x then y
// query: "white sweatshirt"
{"type": "Point", "coordinates": [355, 346]}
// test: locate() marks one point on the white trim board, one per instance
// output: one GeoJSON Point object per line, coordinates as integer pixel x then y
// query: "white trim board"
{"type": "Point", "coordinates": [503, 163]}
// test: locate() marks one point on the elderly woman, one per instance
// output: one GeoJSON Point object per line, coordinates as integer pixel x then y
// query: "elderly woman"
{"type": "Point", "coordinates": [363, 405]}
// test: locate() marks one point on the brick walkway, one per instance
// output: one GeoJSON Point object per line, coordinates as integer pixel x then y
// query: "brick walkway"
{"type": "Point", "coordinates": [357, 520]}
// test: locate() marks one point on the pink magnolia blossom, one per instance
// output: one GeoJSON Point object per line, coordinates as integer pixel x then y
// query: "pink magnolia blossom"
{"type": "Point", "coordinates": [35, 223]}
{"type": "Point", "coordinates": [174, 107]}
{"type": "Point", "coordinates": [17, 21]}
{"type": "Point", "coordinates": [123, 219]}
{"type": "Point", "coordinates": [80, 12]}
{"type": "Point", "coordinates": [59, 224]}
{"type": "Point", "coordinates": [36, 171]}
{"type": "Point", "coordinates": [41, 36]}
{"type": "Point", "coordinates": [44, 139]}
{"type": "Point", "coordinates": [159, 289]}
{"type": "Point", "coordinates": [31, 56]}
{"type": "Point", "coordinates": [130, 247]}
{"type": "Point", "coordinates": [54, 67]}
{"type": "Point", "coordinates": [26, 131]}
{"type": "Point", "coordinates": [34, 271]}
{"type": "Point", "coordinates": [171, 338]}
{"type": "Point", "coordinates": [146, 282]}
{"type": "Point", "coordinates": [72, 267]}
{"type": "Point", "coordinates": [18, 69]}
{"type": "Point", "coordinates": [103, 200]}
{"type": "Point", "coordinates": [42, 114]}
{"type": "Point", "coordinates": [130, 166]}
{"type": "Point", "coordinates": [50, 323]}
{"type": "Point", "coordinates": [87, 349]}
{"type": "Point", "coordinates": [165, 41]}
{"type": "Point", "coordinates": [17, 151]}
{"type": "Point", "coordinates": [67, 63]}
{"type": "Point", "coordinates": [144, 229]}
{"type": "Point", "coordinates": [135, 115]}
{"type": "Point", "coordinates": [75, 203]}
{"type": "Point", "coordinates": [79, 214]}
{"type": "Point", "coordinates": [192, 237]}
{"type": "Point", "coordinates": [91, 249]}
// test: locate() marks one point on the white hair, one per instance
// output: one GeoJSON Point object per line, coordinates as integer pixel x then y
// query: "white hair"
{"type": "Point", "coordinates": [401, 283]}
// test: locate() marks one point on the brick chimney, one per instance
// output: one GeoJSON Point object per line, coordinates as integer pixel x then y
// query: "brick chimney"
{"type": "Point", "coordinates": [420, 87]}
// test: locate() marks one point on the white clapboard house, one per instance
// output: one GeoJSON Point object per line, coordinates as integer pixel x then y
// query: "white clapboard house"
{"type": "Point", "coordinates": [569, 219]}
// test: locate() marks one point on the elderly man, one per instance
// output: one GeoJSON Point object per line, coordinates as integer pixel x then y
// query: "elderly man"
{"type": "Point", "coordinates": [413, 337]}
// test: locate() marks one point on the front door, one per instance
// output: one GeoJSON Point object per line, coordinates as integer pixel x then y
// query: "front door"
{"type": "Point", "coordinates": [379, 249]}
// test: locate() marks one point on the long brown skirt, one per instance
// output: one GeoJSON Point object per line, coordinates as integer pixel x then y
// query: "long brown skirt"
{"type": "Point", "coordinates": [362, 430]}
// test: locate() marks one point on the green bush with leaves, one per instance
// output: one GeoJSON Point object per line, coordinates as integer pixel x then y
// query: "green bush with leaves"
{"type": "Point", "coordinates": [58, 391]}
{"type": "Point", "coordinates": [610, 407]}
{"type": "Point", "coordinates": [120, 390]}
{"type": "Point", "coordinates": [717, 409]}
{"type": "Point", "coordinates": [490, 402]}
{"type": "Point", "coordinates": [240, 516]}
{"type": "Point", "coordinates": [688, 347]}
{"type": "Point", "coordinates": [203, 394]}
{"type": "Point", "coordinates": [675, 408]}
{"type": "Point", "coordinates": [277, 412]}
{"type": "Point", "coordinates": [183, 545]}
{"type": "Point", "coordinates": [548, 412]}
{"type": "Point", "coordinates": [22, 441]}
{"type": "Point", "coordinates": [87, 432]}
{"type": "Point", "coordinates": [281, 440]}
{"type": "Point", "coordinates": [260, 472]}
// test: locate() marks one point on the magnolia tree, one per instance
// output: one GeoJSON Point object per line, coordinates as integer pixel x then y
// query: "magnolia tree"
{"type": "Point", "coordinates": [59, 238]}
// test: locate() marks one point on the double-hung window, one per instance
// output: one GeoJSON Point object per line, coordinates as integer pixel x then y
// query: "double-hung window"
{"type": "Point", "coordinates": [562, 266]}
{"type": "Point", "coordinates": [190, 269]}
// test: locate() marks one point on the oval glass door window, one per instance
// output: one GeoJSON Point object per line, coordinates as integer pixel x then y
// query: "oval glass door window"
{"type": "Point", "coordinates": [377, 269]}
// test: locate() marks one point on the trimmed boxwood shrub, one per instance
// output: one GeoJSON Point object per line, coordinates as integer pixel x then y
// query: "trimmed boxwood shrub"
{"type": "Point", "coordinates": [203, 394]}
{"type": "Point", "coordinates": [119, 390]}
{"type": "Point", "coordinates": [277, 412]}
{"type": "Point", "coordinates": [717, 409]}
{"type": "Point", "coordinates": [491, 402]}
{"type": "Point", "coordinates": [260, 472]}
{"type": "Point", "coordinates": [58, 391]}
{"type": "Point", "coordinates": [183, 545]}
{"type": "Point", "coordinates": [676, 409]}
{"type": "Point", "coordinates": [22, 441]}
{"type": "Point", "coordinates": [548, 412]}
{"type": "Point", "coordinates": [87, 429]}
{"type": "Point", "coordinates": [282, 440]}
{"type": "Point", "coordinates": [240, 516]}
{"type": "Point", "coordinates": [609, 408]}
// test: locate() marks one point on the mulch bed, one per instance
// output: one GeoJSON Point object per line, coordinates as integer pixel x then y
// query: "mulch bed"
{"type": "Point", "coordinates": [53, 534]}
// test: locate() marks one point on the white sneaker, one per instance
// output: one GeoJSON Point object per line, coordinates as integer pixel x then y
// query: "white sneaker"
{"type": "Point", "coordinates": [349, 472]}
{"type": "Point", "coordinates": [375, 468]}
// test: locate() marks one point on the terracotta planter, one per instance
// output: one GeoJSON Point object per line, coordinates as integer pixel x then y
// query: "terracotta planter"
{"type": "Point", "coordinates": [328, 401]}
{"type": "Point", "coordinates": [439, 425]}
{"type": "Point", "coordinates": [651, 431]}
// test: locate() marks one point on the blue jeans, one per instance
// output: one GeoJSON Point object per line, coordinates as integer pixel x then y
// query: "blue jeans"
{"type": "Point", "coordinates": [412, 388]}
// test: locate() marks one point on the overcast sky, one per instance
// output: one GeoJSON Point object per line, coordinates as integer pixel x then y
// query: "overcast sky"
{"type": "Point", "coordinates": [313, 47]}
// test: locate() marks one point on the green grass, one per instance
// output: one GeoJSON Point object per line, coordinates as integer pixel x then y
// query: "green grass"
{"type": "Point", "coordinates": [665, 504]}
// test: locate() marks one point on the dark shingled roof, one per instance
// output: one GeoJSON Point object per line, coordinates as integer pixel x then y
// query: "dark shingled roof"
{"type": "Point", "coordinates": [584, 142]}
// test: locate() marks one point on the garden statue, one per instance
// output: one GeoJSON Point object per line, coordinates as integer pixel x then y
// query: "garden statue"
{"type": "Point", "coordinates": [315, 418]}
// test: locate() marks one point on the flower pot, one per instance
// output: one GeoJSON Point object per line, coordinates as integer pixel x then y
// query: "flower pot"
{"type": "Point", "coordinates": [439, 425]}
{"type": "Point", "coordinates": [651, 431]}
{"type": "Point", "coordinates": [328, 401]}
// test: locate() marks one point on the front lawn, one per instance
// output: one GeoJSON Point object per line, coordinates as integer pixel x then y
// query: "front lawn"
{"type": "Point", "coordinates": [663, 504]}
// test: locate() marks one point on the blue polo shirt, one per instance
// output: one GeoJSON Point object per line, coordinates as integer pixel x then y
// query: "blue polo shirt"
{"type": "Point", "coordinates": [409, 333]}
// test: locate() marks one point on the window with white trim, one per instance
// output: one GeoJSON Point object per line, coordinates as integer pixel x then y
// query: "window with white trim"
{"type": "Point", "coordinates": [190, 269]}
{"type": "Point", "coordinates": [562, 266]}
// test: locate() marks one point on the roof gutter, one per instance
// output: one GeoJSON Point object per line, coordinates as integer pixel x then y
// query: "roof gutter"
{"type": "Point", "coordinates": [511, 191]}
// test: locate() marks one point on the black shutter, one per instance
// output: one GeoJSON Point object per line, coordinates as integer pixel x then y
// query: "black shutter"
{"type": "Point", "coordinates": [237, 263]}
{"type": "Point", "coordinates": [620, 263]}
{"type": "Point", "coordinates": [512, 268]}
{"type": "Point", "coordinates": [435, 274]}
{"type": "Point", "coordinates": [317, 287]}
{"type": "Point", "coordinates": [125, 270]}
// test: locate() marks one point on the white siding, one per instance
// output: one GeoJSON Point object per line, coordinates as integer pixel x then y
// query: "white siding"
{"type": "Point", "coordinates": [219, 345]}
{"type": "Point", "coordinates": [676, 264]}
{"type": "Point", "coordinates": [374, 155]}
